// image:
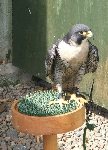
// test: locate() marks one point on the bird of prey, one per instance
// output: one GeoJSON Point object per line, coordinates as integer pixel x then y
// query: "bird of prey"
{"type": "Point", "coordinates": [70, 58]}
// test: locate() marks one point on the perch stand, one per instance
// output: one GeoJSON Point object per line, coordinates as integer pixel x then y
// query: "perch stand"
{"type": "Point", "coordinates": [48, 126]}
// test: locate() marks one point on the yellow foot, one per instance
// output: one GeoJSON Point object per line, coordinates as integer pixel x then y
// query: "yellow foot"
{"type": "Point", "coordinates": [59, 101]}
{"type": "Point", "coordinates": [78, 99]}
{"type": "Point", "coordinates": [82, 100]}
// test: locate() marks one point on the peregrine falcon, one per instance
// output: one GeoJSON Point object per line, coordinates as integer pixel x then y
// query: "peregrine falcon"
{"type": "Point", "coordinates": [71, 57]}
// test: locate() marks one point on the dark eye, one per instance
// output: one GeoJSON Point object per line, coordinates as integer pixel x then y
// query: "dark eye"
{"type": "Point", "coordinates": [81, 32]}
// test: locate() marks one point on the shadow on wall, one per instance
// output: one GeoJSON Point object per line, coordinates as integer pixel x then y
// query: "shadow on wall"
{"type": "Point", "coordinates": [29, 35]}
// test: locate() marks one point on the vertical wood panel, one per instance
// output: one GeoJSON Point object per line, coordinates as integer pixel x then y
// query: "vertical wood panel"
{"type": "Point", "coordinates": [5, 27]}
{"type": "Point", "coordinates": [29, 35]}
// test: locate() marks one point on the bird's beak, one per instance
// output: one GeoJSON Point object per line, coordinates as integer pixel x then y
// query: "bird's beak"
{"type": "Point", "coordinates": [88, 34]}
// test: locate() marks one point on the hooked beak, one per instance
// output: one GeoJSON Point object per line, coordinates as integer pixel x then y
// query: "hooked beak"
{"type": "Point", "coordinates": [88, 34]}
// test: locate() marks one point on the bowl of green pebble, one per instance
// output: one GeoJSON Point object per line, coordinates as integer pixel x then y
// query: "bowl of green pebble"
{"type": "Point", "coordinates": [34, 114]}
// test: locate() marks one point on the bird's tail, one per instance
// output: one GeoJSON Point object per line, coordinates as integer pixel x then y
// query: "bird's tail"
{"type": "Point", "coordinates": [42, 83]}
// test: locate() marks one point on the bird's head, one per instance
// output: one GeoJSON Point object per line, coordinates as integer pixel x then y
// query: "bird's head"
{"type": "Point", "coordinates": [78, 33]}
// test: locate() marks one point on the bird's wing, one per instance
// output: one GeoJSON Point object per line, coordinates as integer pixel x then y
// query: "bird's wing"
{"type": "Point", "coordinates": [92, 60]}
{"type": "Point", "coordinates": [51, 58]}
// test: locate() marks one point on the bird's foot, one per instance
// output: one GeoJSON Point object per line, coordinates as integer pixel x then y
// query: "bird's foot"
{"type": "Point", "coordinates": [60, 101]}
{"type": "Point", "coordinates": [79, 99]}
{"type": "Point", "coordinates": [77, 95]}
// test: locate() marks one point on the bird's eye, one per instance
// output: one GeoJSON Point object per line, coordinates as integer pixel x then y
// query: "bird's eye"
{"type": "Point", "coordinates": [81, 32]}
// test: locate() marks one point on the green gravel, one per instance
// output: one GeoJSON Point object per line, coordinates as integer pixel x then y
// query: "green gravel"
{"type": "Point", "coordinates": [37, 104]}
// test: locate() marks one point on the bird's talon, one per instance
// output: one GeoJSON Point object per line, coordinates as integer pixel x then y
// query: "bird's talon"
{"type": "Point", "coordinates": [60, 102]}
{"type": "Point", "coordinates": [78, 99]}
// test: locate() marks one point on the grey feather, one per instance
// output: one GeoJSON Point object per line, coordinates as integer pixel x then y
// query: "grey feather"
{"type": "Point", "coordinates": [51, 58]}
{"type": "Point", "coordinates": [93, 59]}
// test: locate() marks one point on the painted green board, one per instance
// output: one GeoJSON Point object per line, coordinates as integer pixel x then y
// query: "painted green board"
{"type": "Point", "coordinates": [29, 35]}
{"type": "Point", "coordinates": [39, 23]}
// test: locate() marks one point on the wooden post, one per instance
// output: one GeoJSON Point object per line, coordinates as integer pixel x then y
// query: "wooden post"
{"type": "Point", "coordinates": [50, 142]}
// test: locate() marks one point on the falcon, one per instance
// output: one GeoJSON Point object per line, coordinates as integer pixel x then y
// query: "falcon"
{"type": "Point", "coordinates": [70, 58]}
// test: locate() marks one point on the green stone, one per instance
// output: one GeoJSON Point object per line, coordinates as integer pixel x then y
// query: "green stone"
{"type": "Point", "coordinates": [37, 104]}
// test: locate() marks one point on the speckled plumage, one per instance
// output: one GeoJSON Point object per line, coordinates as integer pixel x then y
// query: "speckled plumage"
{"type": "Point", "coordinates": [71, 57]}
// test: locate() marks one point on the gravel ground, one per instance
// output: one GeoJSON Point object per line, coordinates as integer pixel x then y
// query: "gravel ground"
{"type": "Point", "coordinates": [10, 139]}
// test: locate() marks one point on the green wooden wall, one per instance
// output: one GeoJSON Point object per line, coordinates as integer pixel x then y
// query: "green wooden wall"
{"type": "Point", "coordinates": [39, 23]}
{"type": "Point", "coordinates": [29, 35]}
